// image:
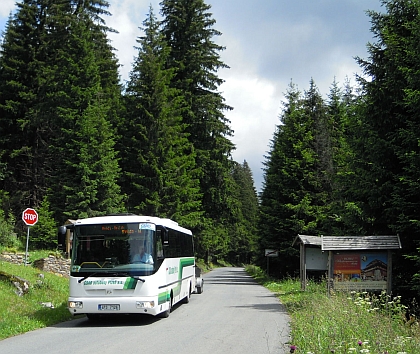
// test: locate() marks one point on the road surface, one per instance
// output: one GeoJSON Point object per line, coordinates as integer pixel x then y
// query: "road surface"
{"type": "Point", "coordinates": [233, 315]}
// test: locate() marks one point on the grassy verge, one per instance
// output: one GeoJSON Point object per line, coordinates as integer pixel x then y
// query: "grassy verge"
{"type": "Point", "coordinates": [20, 314]}
{"type": "Point", "coordinates": [344, 322]}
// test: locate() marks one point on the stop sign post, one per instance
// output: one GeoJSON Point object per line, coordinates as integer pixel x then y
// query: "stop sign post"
{"type": "Point", "coordinates": [30, 218]}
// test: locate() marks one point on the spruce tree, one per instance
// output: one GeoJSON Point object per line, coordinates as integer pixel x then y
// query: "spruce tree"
{"type": "Point", "coordinates": [285, 170]}
{"type": "Point", "coordinates": [245, 232]}
{"type": "Point", "coordinates": [388, 146]}
{"type": "Point", "coordinates": [189, 32]}
{"type": "Point", "coordinates": [50, 80]}
{"type": "Point", "coordinates": [22, 128]}
{"type": "Point", "coordinates": [84, 182]}
{"type": "Point", "coordinates": [160, 176]}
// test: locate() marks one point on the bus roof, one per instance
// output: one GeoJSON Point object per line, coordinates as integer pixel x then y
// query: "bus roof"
{"type": "Point", "coordinates": [132, 218]}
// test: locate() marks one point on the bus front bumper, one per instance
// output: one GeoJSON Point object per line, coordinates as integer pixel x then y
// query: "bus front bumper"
{"type": "Point", "coordinates": [115, 305]}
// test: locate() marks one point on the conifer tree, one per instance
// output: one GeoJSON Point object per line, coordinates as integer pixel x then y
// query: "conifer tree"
{"type": "Point", "coordinates": [86, 180]}
{"type": "Point", "coordinates": [50, 78]}
{"type": "Point", "coordinates": [160, 176]}
{"type": "Point", "coordinates": [189, 32]}
{"type": "Point", "coordinates": [245, 233]}
{"type": "Point", "coordinates": [388, 148]}
{"type": "Point", "coordinates": [22, 136]}
{"type": "Point", "coordinates": [285, 170]}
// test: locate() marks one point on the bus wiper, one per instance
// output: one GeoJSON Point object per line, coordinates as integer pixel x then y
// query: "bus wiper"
{"type": "Point", "coordinates": [87, 276]}
{"type": "Point", "coordinates": [131, 276]}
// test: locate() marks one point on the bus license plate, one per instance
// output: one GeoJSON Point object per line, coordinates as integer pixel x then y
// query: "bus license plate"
{"type": "Point", "coordinates": [108, 307]}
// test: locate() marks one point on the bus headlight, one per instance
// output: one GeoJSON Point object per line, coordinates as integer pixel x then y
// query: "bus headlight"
{"type": "Point", "coordinates": [145, 304]}
{"type": "Point", "coordinates": [75, 304]}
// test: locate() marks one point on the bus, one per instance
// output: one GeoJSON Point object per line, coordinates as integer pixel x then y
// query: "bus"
{"type": "Point", "coordinates": [130, 264]}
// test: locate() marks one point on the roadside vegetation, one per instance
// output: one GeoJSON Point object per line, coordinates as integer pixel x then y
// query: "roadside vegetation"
{"type": "Point", "coordinates": [344, 322]}
{"type": "Point", "coordinates": [43, 305]}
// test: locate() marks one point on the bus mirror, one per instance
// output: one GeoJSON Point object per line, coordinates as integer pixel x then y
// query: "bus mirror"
{"type": "Point", "coordinates": [163, 235]}
{"type": "Point", "coordinates": [62, 230]}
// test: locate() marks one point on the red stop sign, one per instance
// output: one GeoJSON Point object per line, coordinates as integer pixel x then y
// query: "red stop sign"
{"type": "Point", "coordinates": [30, 216]}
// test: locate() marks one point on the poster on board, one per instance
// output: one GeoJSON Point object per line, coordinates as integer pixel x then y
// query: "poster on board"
{"type": "Point", "coordinates": [360, 270]}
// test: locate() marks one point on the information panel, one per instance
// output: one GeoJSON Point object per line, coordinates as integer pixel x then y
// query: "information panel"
{"type": "Point", "coordinates": [360, 270]}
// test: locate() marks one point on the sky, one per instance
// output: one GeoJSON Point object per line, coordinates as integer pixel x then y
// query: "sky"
{"type": "Point", "coordinates": [269, 43]}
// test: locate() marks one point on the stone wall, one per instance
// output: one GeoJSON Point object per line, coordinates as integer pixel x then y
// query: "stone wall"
{"type": "Point", "coordinates": [15, 258]}
{"type": "Point", "coordinates": [59, 266]}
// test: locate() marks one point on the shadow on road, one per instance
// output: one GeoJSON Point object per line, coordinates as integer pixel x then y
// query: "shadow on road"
{"type": "Point", "coordinates": [277, 307]}
{"type": "Point", "coordinates": [236, 277]}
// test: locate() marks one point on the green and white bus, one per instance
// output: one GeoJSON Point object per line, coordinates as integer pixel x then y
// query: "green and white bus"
{"type": "Point", "coordinates": [128, 264]}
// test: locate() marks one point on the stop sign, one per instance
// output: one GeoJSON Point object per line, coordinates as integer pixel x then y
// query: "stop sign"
{"type": "Point", "coordinates": [30, 216]}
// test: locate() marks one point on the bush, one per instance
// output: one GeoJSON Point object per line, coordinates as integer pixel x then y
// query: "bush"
{"type": "Point", "coordinates": [44, 232]}
{"type": "Point", "coordinates": [8, 237]}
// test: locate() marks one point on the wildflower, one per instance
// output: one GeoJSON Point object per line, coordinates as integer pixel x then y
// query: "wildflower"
{"type": "Point", "coordinates": [292, 348]}
{"type": "Point", "coordinates": [360, 343]}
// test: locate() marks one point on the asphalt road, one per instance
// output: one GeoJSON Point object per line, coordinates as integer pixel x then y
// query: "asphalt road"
{"type": "Point", "coordinates": [233, 315]}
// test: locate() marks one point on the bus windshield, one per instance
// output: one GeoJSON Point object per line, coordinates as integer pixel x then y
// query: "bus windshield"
{"type": "Point", "coordinates": [114, 248]}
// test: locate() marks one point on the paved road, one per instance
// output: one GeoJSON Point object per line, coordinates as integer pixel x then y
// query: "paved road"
{"type": "Point", "coordinates": [233, 315]}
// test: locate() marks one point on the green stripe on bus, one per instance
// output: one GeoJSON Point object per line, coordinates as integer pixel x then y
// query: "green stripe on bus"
{"type": "Point", "coordinates": [130, 283]}
{"type": "Point", "coordinates": [163, 297]}
{"type": "Point", "coordinates": [185, 262]}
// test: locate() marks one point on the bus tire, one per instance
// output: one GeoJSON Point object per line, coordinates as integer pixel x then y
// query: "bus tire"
{"type": "Point", "coordinates": [187, 298]}
{"type": "Point", "coordinates": [165, 314]}
{"type": "Point", "coordinates": [200, 289]}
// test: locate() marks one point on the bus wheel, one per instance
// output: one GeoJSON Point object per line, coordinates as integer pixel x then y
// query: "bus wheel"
{"type": "Point", "coordinates": [166, 313]}
{"type": "Point", "coordinates": [187, 298]}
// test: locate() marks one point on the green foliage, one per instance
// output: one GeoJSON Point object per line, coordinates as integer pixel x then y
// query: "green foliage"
{"type": "Point", "coordinates": [8, 237]}
{"type": "Point", "coordinates": [386, 170]}
{"type": "Point", "coordinates": [297, 174]}
{"type": "Point", "coordinates": [44, 233]}
{"type": "Point", "coordinates": [244, 231]}
{"type": "Point", "coordinates": [195, 59]}
{"type": "Point", "coordinates": [160, 176]}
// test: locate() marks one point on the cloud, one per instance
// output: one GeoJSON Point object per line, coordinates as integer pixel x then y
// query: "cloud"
{"type": "Point", "coordinates": [6, 7]}
{"type": "Point", "coordinates": [254, 117]}
{"type": "Point", "coordinates": [126, 19]}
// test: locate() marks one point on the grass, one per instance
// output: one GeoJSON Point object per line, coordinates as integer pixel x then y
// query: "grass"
{"type": "Point", "coordinates": [20, 314]}
{"type": "Point", "coordinates": [344, 322]}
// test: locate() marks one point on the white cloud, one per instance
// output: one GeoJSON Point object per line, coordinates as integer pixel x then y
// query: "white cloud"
{"type": "Point", "coordinates": [6, 7]}
{"type": "Point", "coordinates": [253, 119]}
{"type": "Point", "coordinates": [126, 19]}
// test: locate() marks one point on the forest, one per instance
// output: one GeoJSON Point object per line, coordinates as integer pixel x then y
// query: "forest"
{"type": "Point", "coordinates": [75, 142]}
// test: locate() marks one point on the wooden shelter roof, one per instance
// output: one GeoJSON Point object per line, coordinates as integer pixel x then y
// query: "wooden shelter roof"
{"type": "Point", "coordinates": [308, 240]}
{"type": "Point", "coordinates": [337, 243]}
